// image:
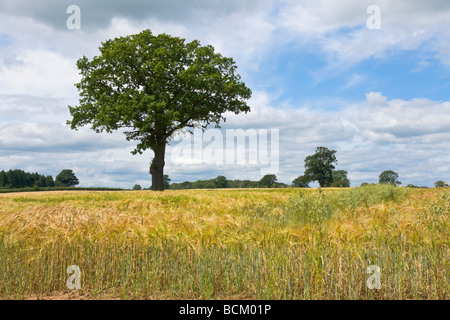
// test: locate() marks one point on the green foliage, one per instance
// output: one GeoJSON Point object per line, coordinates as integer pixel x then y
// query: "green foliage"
{"type": "Point", "coordinates": [242, 184]}
{"type": "Point", "coordinates": [440, 184]}
{"type": "Point", "coordinates": [319, 166]}
{"type": "Point", "coordinates": [3, 179]}
{"type": "Point", "coordinates": [368, 184]}
{"type": "Point", "coordinates": [221, 182]}
{"type": "Point", "coordinates": [267, 181]}
{"type": "Point", "coordinates": [181, 185]}
{"type": "Point", "coordinates": [166, 181]}
{"type": "Point", "coordinates": [31, 189]}
{"type": "Point", "coordinates": [389, 177]}
{"type": "Point", "coordinates": [204, 184]}
{"type": "Point", "coordinates": [66, 178]}
{"type": "Point", "coordinates": [155, 86]}
{"type": "Point", "coordinates": [301, 182]}
{"type": "Point", "coordinates": [340, 179]}
{"type": "Point", "coordinates": [137, 187]}
{"type": "Point", "coordinates": [21, 179]}
{"type": "Point", "coordinates": [49, 182]}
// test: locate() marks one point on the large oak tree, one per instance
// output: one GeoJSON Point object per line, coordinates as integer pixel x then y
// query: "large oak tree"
{"type": "Point", "coordinates": [155, 85]}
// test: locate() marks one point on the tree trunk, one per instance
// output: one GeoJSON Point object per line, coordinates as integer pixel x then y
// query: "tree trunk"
{"type": "Point", "coordinates": [157, 168]}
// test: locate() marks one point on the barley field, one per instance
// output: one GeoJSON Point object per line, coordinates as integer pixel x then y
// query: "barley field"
{"type": "Point", "coordinates": [226, 244]}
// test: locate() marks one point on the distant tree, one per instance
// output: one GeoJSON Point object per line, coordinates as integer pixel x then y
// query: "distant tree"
{"type": "Point", "coordinates": [204, 184]}
{"type": "Point", "coordinates": [440, 184]}
{"type": "Point", "coordinates": [340, 179]}
{"type": "Point", "coordinates": [182, 185]}
{"type": "Point", "coordinates": [238, 183]}
{"type": "Point", "coordinates": [233, 184]}
{"type": "Point", "coordinates": [174, 186]}
{"type": "Point", "coordinates": [245, 184]}
{"type": "Point", "coordinates": [254, 184]}
{"type": "Point", "coordinates": [66, 178]}
{"type": "Point", "coordinates": [319, 166]}
{"type": "Point", "coordinates": [301, 182]}
{"type": "Point", "coordinates": [280, 185]}
{"type": "Point", "coordinates": [340, 184]}
{"type": "Point", "coordinates": [267, 181]}
{"type": "Point", "coordinates": [137, 187]}
{"type": "Point", "coordinates": [41, 181]}
{"type": "Point", "coordinates": [221, 182]}
{"type": "Point", "coordinates": [3, 179]}
{"type": "Point", "coordinates": [389, 177]}
{"type": "Point", "coordinates": [33, 178]}
{"type": "Point", "coordinates": [368, 184]}
{"type": "Point", "coordinates": [166, 181]}
{"type": "Point", "coordinates": [49, 182]}
{"type": "Point", "coordinates": [19, 179]}
{"type": "Point", "coordinates": [209, 184]}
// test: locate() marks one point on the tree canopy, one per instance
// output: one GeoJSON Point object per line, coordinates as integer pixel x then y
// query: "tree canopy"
{"type": "Point", "coordinates": [155, 85]}
{"type": "Point", "coordinates": [66, 178]}
{"type": "Point", "coordinates": [221, 182]}
{"type": "Point", "coordinates": [440, 184]}
{"type": "Point", "coordinates": [319, 166]}
{"type": "Point", "coordinates": [340, 179]}
{"type": "Point", "coordinates": [389, 177]}
{"type": "Point", "coordinates": [267, 181]}
{"type": "Point", "coordinates": [166, 181]}
{"type": "Point", "coordinates": [301, 182]}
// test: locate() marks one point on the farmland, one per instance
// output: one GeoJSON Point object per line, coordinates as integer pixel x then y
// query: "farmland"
{"type": "Point", "coordinates": [227, 244]}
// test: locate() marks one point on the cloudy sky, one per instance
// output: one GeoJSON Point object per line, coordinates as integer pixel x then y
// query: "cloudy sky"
{"type": "Point", "coordinates": [319, 72]}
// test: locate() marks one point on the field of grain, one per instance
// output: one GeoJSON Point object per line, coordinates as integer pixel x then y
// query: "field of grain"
{"type": "Point", "coordinates": [226, 244]}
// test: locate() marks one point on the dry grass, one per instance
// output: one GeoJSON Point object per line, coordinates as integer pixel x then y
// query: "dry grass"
{"type": "Point", "coordinates": [226, 244]}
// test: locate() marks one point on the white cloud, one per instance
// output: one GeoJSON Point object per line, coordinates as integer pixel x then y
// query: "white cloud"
{"type": "Point", "coordinates": [401, 121]}
{"type": "Point", "coordinates": [338, 28]}
{"type": "Point", "coordinates": [40, 73]}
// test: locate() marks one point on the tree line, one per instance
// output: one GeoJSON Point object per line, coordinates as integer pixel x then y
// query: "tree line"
{"type": "Point", "coordinates": [16, 179]}
{"type": "Point", "coordinates": [319, 167]}
{"type": "Point", "coordinates": [268, 181]}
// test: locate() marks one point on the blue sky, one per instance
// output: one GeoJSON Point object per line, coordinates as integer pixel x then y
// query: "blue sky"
{"type": "Point", "coordinates": [380, 97]}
